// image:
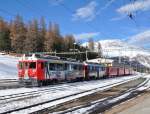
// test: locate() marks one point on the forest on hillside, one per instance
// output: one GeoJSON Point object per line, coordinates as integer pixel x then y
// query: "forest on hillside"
{"type": "Point", "coordinates": [35, 36]}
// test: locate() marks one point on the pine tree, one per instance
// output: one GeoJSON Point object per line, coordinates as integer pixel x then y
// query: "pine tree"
{"type": "Point", "coordinates": [69, 42]}
{"type": "Point", "coordinates": [42, 34]}
{"type": "Point", "coordinates": [58, 40]}
{"type": "Point", "coordinates": [5, 43]}
{"type": "Point", "coordinates": [54, 41]}
{"type": "Point", "coordinates": [49, 40]}
{"type": "Point", "coordinates": [32, 41]}
{"type": "Point", "coordinates": [18, 34]}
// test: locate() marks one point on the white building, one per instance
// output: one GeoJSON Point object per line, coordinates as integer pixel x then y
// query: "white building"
{"type": "Point", "coordinates": [107, 62]}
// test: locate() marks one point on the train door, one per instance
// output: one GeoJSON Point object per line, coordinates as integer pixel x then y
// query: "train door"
{"type": "Point", "coordinates": [98, 69]}
{"type": "Point", "coordinates": [40, 70]}
{"type": "Point", "coordinates": [86, 72]}
{"type": "Point", "coordinates": [66, 70]}
{"type": "Point", "coordinates": [48, 67]}
{"type": "Point", "coordinates": [26, 70]}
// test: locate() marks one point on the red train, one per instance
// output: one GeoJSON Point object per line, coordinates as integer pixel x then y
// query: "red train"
{"type": "Point", "coordinates": [118, 71]}
{"type": "Point", "coordinates": [38, 70]}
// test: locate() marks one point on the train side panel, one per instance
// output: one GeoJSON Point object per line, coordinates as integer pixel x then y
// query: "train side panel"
{"type": "Point", "coordinates": [111, 71]}
{"type": "Point", "coordinates": [121, 72]}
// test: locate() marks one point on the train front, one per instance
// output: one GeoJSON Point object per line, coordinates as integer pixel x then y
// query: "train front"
{"type": "Point", "coordinates": [28, 73]}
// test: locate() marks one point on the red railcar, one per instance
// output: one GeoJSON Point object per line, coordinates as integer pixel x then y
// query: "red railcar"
{"type": "Point", "coordinates": [111, 71]}
{"type": "Point", "coordinates": [31, 71]}
{"type": "Point", "coordinates": [117, 71]}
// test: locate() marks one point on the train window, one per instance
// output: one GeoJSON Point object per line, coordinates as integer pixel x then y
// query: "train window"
{"type": "Point", "coordinates": [75, 67]}
{"type": "Point", "coordinates": [97, 68]}
{"type": "Point", "coordinates": [80, 67]}
{"type": "Point", "coordinates": [60, 67]}
{"type": "Point", "coordinates": [103, 68]}
{"type": "Point", "coordinates": [90, 67]}
{"type": "Point", "coordinates": [93, 68]}
{"type": "Point", "coordinates": [26, 65]}
{"type": "Point", "coordinates": [37, 55]}
{"type": "Point", "coordinates": [32, 65]}
{"type": "Point", "coordinates": [66, 66]}
{"type": "Point", "coordinates": [51, 66]}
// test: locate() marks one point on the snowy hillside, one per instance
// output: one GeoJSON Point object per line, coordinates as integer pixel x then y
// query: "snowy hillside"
{"type": "Point", "coordinates": [119, 48]}
{"type": "Point", "coordinates": [144, 60]}
{"type": "Point", "coordinates": [116, 47]}
{"type": "Point", "coordinates": [8, 67]}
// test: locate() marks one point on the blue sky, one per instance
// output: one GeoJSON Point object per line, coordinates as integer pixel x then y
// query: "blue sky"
{"type": "Point", "coordinates": [97, 19]}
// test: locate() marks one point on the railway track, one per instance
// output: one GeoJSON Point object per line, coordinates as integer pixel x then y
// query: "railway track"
{"type": "Point", "coordinates": [9, 84]}
{"type": "Point", "coordinates": [20, 96]}
{"type": "Point", "coordinates": [97, 102]}
{"type": "Point", "coordinates": [8, 80]}
{"type": "Point", "coordinates": [40, 91]}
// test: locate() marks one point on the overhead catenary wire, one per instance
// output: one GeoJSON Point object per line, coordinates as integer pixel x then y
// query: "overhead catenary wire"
{"type": "Point", "coordinates": [28, 7]}
{"type": "Point", "coordinates": [6, 12]}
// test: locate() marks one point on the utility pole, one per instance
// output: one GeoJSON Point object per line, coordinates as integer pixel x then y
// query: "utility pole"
{"type": "Point", "coordinates": [74, 47]}
{"type": "Point", "coordinates": [55, 52]}
{"type": "Point", "coordinates": [119, 56]}
{"type": "Point", "coordinates": [86, 55]}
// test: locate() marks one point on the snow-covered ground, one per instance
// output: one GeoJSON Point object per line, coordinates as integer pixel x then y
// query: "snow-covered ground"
{"type": "Point", "coordinates": [88, 109]}
{"type": "Point", "coordinates": [58, 91]}
{"type": "Point", "coordinates": [8, 67]}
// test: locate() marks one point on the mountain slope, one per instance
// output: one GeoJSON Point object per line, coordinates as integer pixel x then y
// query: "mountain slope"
{"type": "Point", "coordinates": [116, 47]}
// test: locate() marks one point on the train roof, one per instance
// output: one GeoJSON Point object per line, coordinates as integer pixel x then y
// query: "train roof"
{"type": "Point", "coordinates": [28, 57]}
{"type": "Point", "coordinates": [54, 59]}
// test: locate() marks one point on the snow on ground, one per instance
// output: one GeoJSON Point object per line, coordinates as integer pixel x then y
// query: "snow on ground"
{"type": "Point", "coordinates": [58, 91]}
{"type": "Point", "coordinates": [147, 85]}
{"type": "Point", "coordinates": [8, 67]}
{"type": "Point", "coordinates": [88, 109]}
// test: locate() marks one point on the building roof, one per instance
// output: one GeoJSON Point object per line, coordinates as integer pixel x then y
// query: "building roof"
{"type": "Point", "coordinates": [101, 60]}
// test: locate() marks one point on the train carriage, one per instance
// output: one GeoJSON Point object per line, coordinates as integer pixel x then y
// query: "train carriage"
{"type": "Point", "coordinates": [93, 71]}
{"type": "Point", "coordinates": [111, 71]}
